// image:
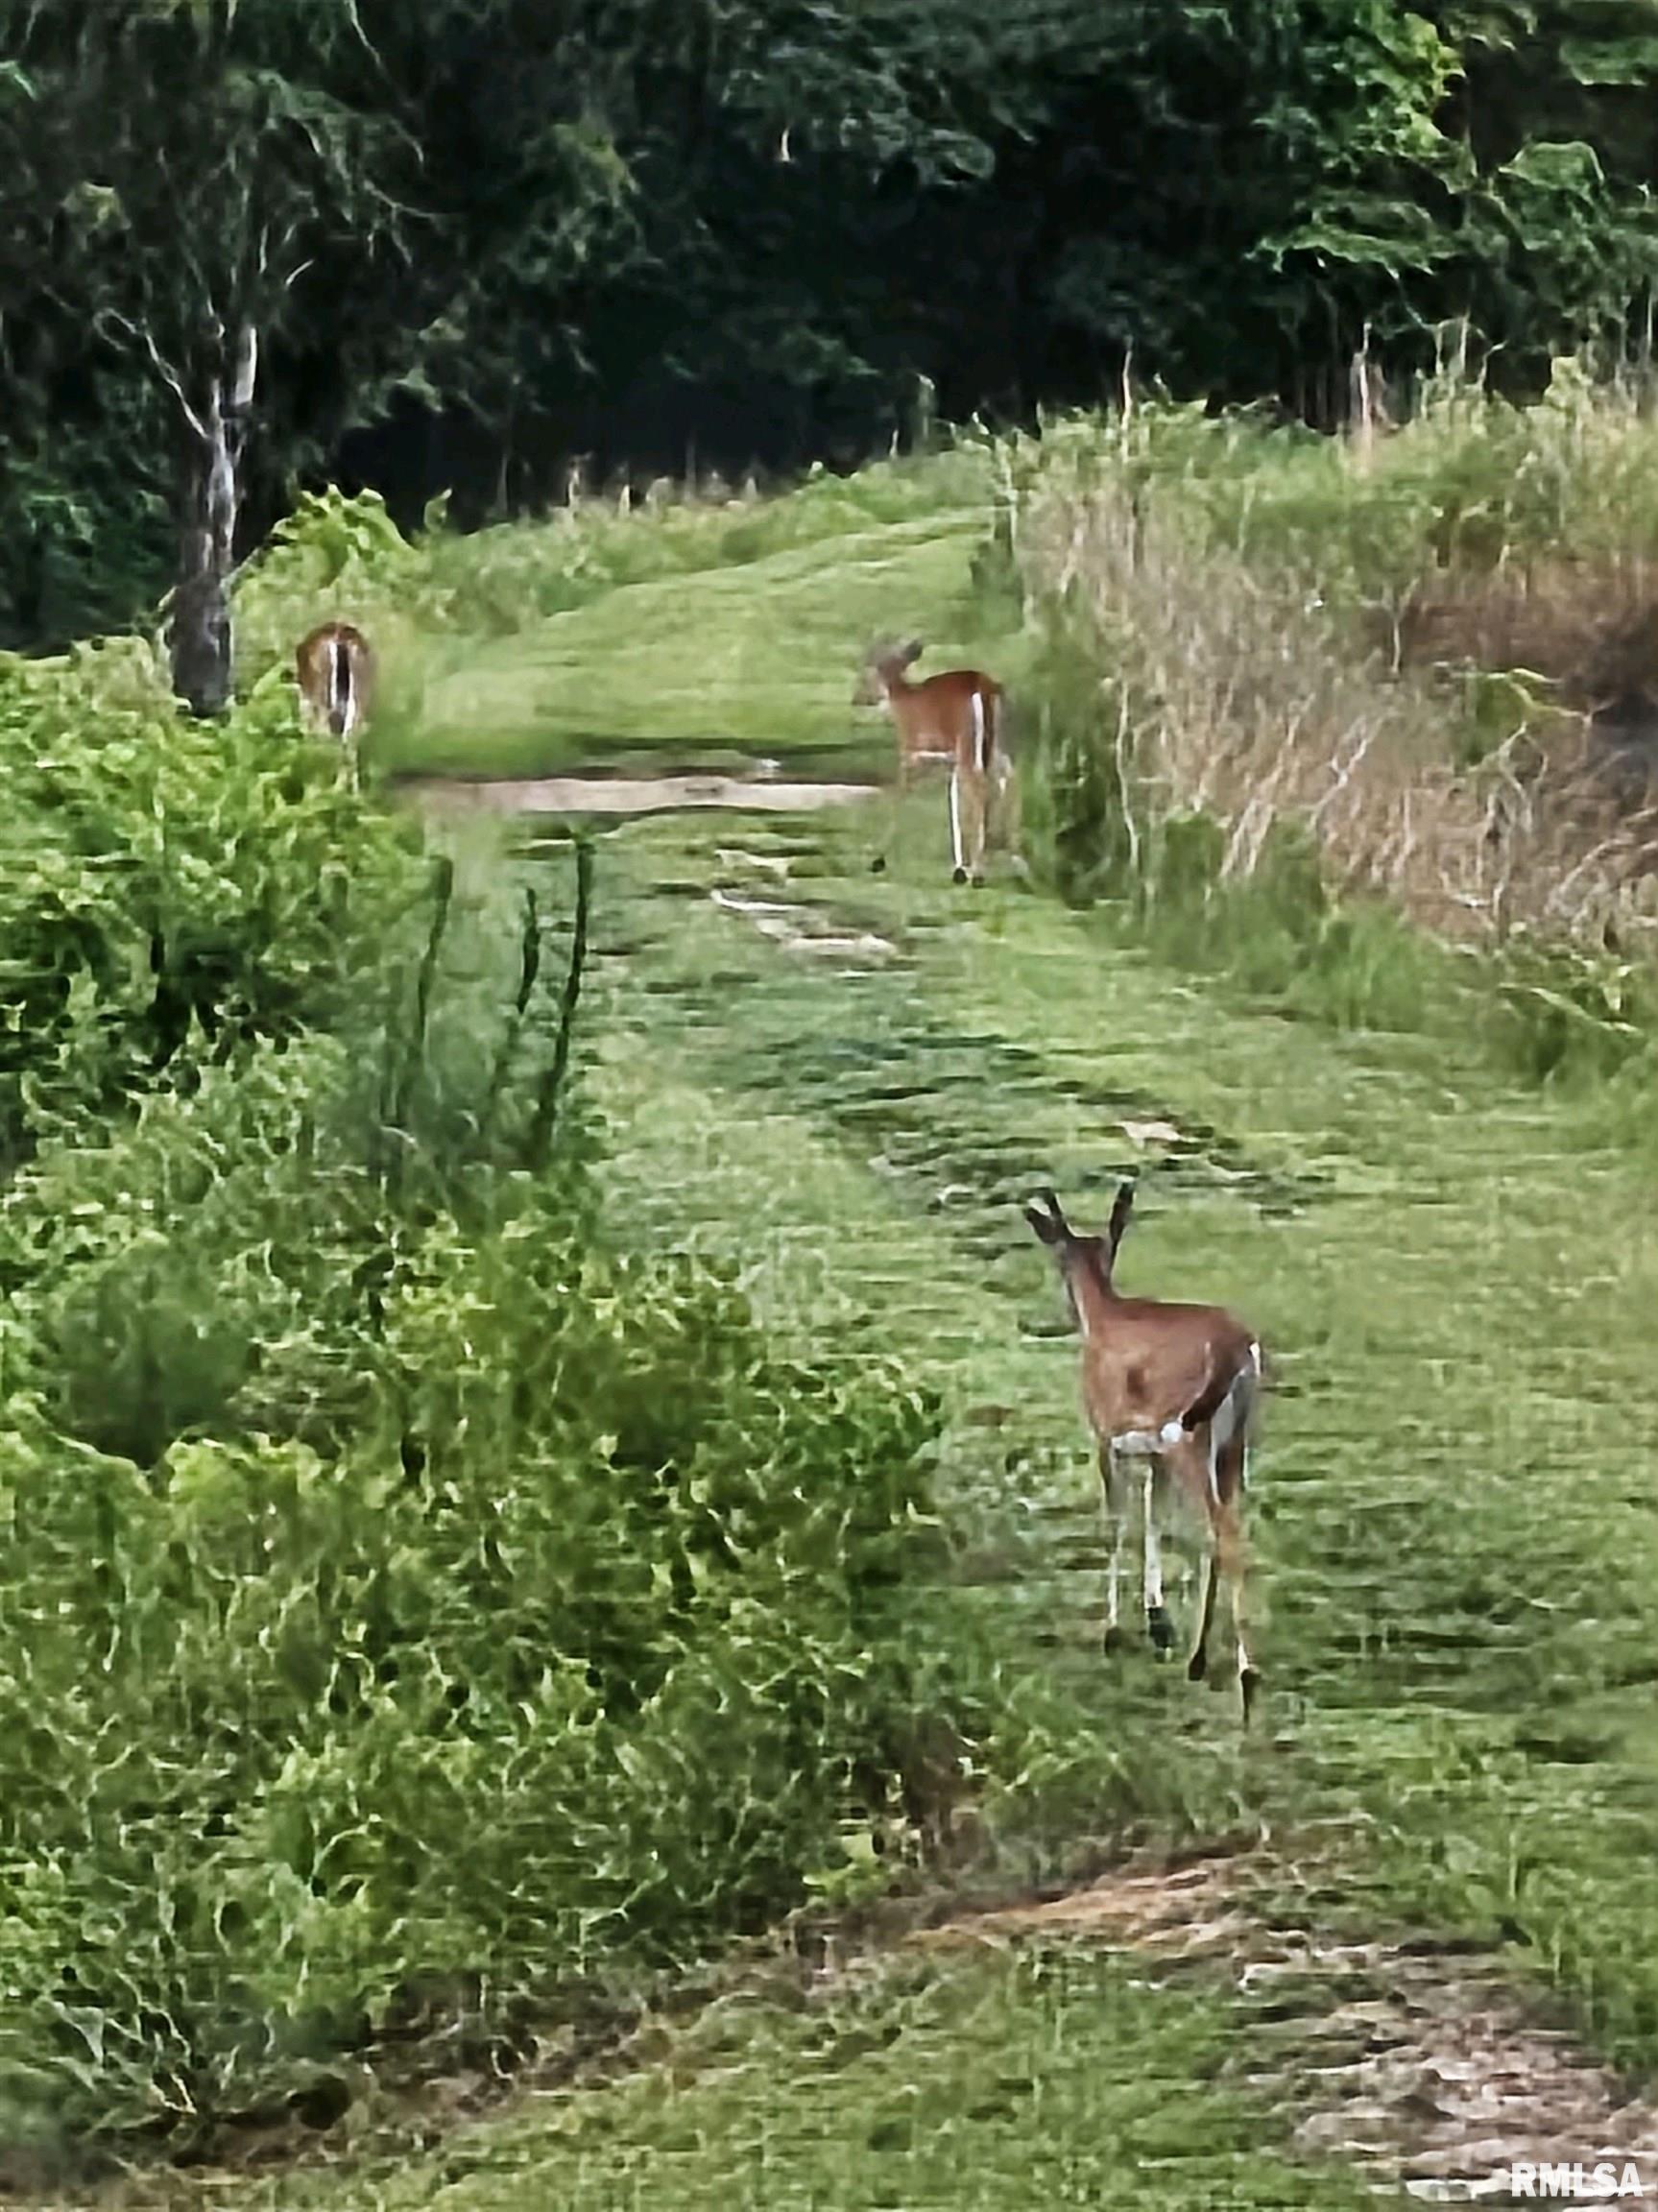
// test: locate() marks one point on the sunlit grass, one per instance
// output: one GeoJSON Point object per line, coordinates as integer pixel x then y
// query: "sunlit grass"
{"type": "Point", "coordinates": [1453, 1530]}
{"type": "Point", "coordinates": [751, 662]}
{"type": "Point", "coordinates": [688, 631]}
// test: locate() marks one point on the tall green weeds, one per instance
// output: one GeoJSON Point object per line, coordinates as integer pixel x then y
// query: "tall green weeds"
{"type": "Point", "coordinates": [414, 1612]}
{"type": "Point", "coordinates": [170, 892]}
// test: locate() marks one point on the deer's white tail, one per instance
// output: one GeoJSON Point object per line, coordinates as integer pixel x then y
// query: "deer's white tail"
{"type": "Point", "coordinates": [341, 689]}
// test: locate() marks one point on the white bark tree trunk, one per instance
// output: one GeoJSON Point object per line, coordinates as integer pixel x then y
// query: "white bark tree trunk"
{"type": "Point", "coordinates": [216, 419]}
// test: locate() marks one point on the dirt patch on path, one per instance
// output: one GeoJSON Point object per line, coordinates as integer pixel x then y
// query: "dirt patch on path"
{"type": "Point", "coordinates": [797, 928]}
{"type": "Point", "coordinates": [1415, 2063]}
{"type": "Point", "coordinates": [632, 794]}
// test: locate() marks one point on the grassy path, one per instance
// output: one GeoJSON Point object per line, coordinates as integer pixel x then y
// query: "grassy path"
{"type": "Point", "coordinates": [703, 668]}
{"type": "Point", "coordinates": [1454, 1517]}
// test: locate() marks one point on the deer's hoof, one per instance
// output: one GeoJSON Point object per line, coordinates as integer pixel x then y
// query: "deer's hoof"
{"type": "Point", "coordinates": [1197, 1667]}
{"type": "Point", "coordinates": [1113, 1640]}
{"type": "Point", "coordinates": [1161, 1629]}
{"type": "Point", "coordinates": [1248, 1683]}
{"type": "Point", "coordinates": [877, 866]}
{"type": "Point", "coordinates": [959, 876]}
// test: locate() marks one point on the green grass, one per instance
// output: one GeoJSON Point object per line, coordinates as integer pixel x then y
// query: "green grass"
{"type": "Point", "coordinates": [1451, 1518]}
{"type": "Point", "coordinates": [691, 634]}
{"type": "Point", "coordinates": [1053, 2074]}
{"type": "Point", "coordinates": [1452, 1531]}
{"type": "Point", "coordinates": [1452, 1284]}
{"type": "Point", "coordinates": [755, 660]}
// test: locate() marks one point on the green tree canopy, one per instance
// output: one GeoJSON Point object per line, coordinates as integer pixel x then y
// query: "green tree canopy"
{"type": "Point", "coordinates": [625, 225]}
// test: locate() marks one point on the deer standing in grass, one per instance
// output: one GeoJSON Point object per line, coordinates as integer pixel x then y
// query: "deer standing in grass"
{"type": "Point", "coordinates": [335, 663]}
{"type": "Point", "coordinates": [1175, 1387]}
{"type": "Point", "coordinates": [959, 715]}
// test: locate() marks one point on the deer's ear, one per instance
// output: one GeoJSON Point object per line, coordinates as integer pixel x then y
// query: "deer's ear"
{"type": "Point", "coordinates": [1045, 1219]}
{"type": "Point", "coordinates": [1121, 1208]}
{"type": "Point", "coordinates": [912, 652]}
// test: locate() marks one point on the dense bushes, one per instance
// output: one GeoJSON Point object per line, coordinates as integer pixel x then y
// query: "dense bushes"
{"type": "Point", "coordinates": [556, 1654]}
{"type": "Point", "coordinates": [167, 888]}
{"type": "Point", "coordinates": [409, 1605]}
{"type": "Point", "coordinates": [649, 233]}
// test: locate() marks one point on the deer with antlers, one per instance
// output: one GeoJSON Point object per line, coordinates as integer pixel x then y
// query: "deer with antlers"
{"type": "Point", "coordinates": [1173, 1387]}
{"type": "Point", "coordinates": [957, 716]}
{"type": "Point", "coordinates": [335, 666]}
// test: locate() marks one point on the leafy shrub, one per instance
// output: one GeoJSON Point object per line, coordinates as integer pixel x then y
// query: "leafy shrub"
{"type": "Point", "coordinates": [167, 888]}
{"type": "Point", "coordinates": [222, 1264]}
{"type": "Point", "coordinates": [561, 1656]}
{"type": "Point", "coordinates": [409, 1609]}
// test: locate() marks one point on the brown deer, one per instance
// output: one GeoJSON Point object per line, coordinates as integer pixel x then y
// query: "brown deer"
{"type": "Point", "coordinates": [335, 664]}
{"type": "Point", "coordinates": [959, 715]}
{"type": "Point", "coordinates": [1174, 1386]}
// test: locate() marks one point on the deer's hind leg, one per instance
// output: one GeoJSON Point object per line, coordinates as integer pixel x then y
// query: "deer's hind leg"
{"type": "Point", "coordinates": [1226, 1562]}
{"type": "Point", "coordinates": [1158, 1628]}
{"type": "Point", "coordinates": [1189, 1465]}
{"type": "Point", "coordinates": [1234, 1565]}
{"type": "Point", "coordinates": [1114, 1481]}
{"type": "Point", "coordinates": [958, 807]}
{"type": "Point", "coordinates": [1197, 1664]}
{"type": "Point", "coordinates": [977, 794]}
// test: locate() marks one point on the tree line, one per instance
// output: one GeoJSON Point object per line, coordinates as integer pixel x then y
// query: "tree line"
{"type": "Point", "coordinates": [424, 243]}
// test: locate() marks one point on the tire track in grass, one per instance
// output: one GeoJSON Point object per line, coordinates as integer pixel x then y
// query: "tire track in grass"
{"type": "Point", "coordinates": [1453, 1533]}
{"type": "Point", "coordinates": [1241, 2033]}
{"type": "Point", "coordinates": [1461, 1650]}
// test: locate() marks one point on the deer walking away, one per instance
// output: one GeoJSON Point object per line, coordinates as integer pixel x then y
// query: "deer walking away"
{"type": "Point", "coordinates": [1172, 1389]}
{"type": "Point", "coordinates": [958, 716]}
{"type": "Point", "coordinates": [335, 664]}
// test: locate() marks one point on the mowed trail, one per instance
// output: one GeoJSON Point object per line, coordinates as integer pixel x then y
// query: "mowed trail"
{"type": "Point", "coordinates": [1453, 1516]}
{"type": "Point", "coordinates": [843, 1084]}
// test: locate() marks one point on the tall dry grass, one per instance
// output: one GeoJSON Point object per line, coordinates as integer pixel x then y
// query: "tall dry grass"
{"type": "Point", "coordinates": [1392, 647]}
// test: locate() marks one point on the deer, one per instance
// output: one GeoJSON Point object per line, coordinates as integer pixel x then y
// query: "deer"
{"type": "Point", "coordinates": [1174, 1388]}
{"type": "Point", "coordinates": [335, 664]}
{"type": "Point", "coordinates": [958, 715]}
